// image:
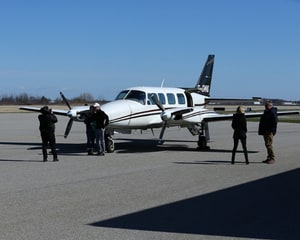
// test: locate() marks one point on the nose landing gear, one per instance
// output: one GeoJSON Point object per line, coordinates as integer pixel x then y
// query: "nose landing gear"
{"type": "Point", "coordinates": [109, 143]}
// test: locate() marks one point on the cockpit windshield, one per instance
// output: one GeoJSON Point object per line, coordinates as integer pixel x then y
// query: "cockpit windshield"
{"type": "Point", "coordinates": [134, 95]}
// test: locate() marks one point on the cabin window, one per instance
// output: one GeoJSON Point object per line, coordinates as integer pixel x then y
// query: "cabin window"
{"type": "Point", "coordinates": [138, 96]}
{"type": "Point", "coordinates": [162, 98]}
{"type": "Point", "coordinates": [150, 100]}
{"type": "Point", "coordinates": [171, 98]}
{"type": "Point", "coordinates": [180, 98]}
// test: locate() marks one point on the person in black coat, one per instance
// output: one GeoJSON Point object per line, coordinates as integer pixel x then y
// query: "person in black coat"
{"type": "Point", "coordinates": [268, 128]}
{"type": "Point", "coordinates": [47, 129]}
{"type": "Point", "coordinates": [239, 125]}
{"type": "Point", "coordinates": [101, 121]}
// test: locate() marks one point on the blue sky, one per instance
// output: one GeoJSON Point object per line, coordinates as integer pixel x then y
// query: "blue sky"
{"type": "Point", "coordinates": [100, 47]}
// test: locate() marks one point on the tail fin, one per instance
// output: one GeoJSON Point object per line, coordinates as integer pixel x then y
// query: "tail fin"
{"type": "Point", "coordinates": [204, 81]}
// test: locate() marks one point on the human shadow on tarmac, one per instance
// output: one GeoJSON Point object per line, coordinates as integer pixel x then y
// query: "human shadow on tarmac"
{"type": "Point", "coordinates": [62, 148]}
{"type": "Point", "coordinates": [212, 162]}
{"type": "Point", "coordinates": [267, 208]}
{"type": "Point", "coordinates": [17, 160]}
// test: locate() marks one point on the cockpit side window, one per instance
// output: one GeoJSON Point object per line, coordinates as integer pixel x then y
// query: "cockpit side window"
{"type": "Point", "coordinates": [138, 96]}
{"type": "Point", "coordinates": [122, 95]}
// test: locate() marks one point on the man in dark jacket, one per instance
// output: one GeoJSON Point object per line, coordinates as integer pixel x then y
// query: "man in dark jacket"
{"type": "Point", "coordinates": [101, 121]}
{"type": "Point", "coordinates": [268, 128]}
{"type": "Point", "coordinates": [47, 128]}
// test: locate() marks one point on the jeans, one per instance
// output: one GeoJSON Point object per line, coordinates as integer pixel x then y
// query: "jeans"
{"type": "Point", "coordinates": [100, 141]}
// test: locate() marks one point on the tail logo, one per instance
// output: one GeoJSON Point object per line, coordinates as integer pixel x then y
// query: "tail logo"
{"type": "Point", "coordinates": [203, 88]}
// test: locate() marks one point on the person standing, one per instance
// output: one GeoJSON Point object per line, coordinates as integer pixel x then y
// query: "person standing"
{"type": "Point", "coordinates": [267, 128]}
{"type": "Point", "coordinates": [47, 129]}
{"type": "Point", "coordinates": [239, 125]}
{"type": "Point", "coordinates": [101, 120]}
{"type": "Point", "coordinates": [90, 131]}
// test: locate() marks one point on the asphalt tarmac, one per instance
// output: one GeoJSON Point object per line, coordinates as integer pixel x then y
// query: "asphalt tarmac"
{"type": "Point", "coordinates": [147, 191]}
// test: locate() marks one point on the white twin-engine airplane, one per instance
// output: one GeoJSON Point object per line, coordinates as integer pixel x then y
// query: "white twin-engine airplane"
{"type": "Point", "coordinates": [158, 107]}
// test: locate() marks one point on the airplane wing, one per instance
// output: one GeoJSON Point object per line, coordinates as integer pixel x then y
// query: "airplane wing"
{"type": "Point", "coordinates": [35, 109]}
{"type": "Point", "coordinates": [222, 117]}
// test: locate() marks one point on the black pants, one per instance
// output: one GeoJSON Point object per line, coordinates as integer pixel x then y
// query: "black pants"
{"type": "Point", "coordinates": [235, 145]}
{"type": "Point", "coordinates": [48, 138]}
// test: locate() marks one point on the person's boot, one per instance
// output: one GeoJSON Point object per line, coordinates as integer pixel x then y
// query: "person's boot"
{"type": "Point", "coordinates": [90, 151]}
{"type": "Point", "coordinates": [232, 158]}
{"type": "Point", "coordinates": [246, 157]}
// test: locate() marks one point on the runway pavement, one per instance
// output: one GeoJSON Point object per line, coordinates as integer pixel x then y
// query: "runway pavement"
{"type": "Point", "coordinates": [146, 191]}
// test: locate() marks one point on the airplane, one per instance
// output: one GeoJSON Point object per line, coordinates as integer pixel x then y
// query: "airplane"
{"type": "Point", "coordinates": [158, 107]}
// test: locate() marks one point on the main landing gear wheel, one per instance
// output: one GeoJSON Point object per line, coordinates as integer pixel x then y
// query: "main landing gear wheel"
{"type": "Point", "coordinates": [202, 143]}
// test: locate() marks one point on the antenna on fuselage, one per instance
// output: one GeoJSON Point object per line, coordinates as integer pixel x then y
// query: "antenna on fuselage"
{"type": "Point", "coordinates": [162, 83]}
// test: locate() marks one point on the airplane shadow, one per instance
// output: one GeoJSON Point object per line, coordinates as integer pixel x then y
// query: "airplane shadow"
{"type": "Point", "coordinates": [263, 209]}
{"type": "Point", "coordinates": [125, 146]}
{"type": "Point", "coordinates": [142, 146]}
{"type": "Point", "coordinates": [129, 145]}
{"type": "Point", "coordinates": [151, 145]}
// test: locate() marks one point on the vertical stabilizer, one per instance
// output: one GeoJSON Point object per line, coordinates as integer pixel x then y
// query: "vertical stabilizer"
{"type": "Point", "coordinates": [204, 81]}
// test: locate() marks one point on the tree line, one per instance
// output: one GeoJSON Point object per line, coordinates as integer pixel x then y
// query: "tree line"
{"type": "Point", "coordinates": [27, 99]}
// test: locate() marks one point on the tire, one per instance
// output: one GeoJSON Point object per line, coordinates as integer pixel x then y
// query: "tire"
{"type": "Point", "coordinates": [110, 146]}
{"type": "Point", "coordinates": [202, 143]}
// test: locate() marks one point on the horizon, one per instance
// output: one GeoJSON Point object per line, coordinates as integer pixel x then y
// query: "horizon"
{"type": "Point", "coordinates": [102, 47]}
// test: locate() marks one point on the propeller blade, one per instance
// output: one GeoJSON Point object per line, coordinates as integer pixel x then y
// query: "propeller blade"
{"type": "Point", "coordinates": [160, 141]}
{"type": "Point", "coordinates": [68, 129]}
{"type": "Point", "coordinates": [157, 102]}
{"type": "Point", "coordinates": [161, 107]}
{"type": "Point", "coordinates": [65, 100]}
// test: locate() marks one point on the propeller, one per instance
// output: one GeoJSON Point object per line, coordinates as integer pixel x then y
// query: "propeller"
{"type": "Point", "coordinates": [177, 115]}
{"type": "Point", "coordinates": [68, 129]}
{"type": "Point", "coordinates": [70, 123]}
{"type": "Point", "coordinates": [157, 102]}
{"type": "Point", "coordinates": [161, 107]}
{"type": "Point", "coordinates": [65, 100]}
